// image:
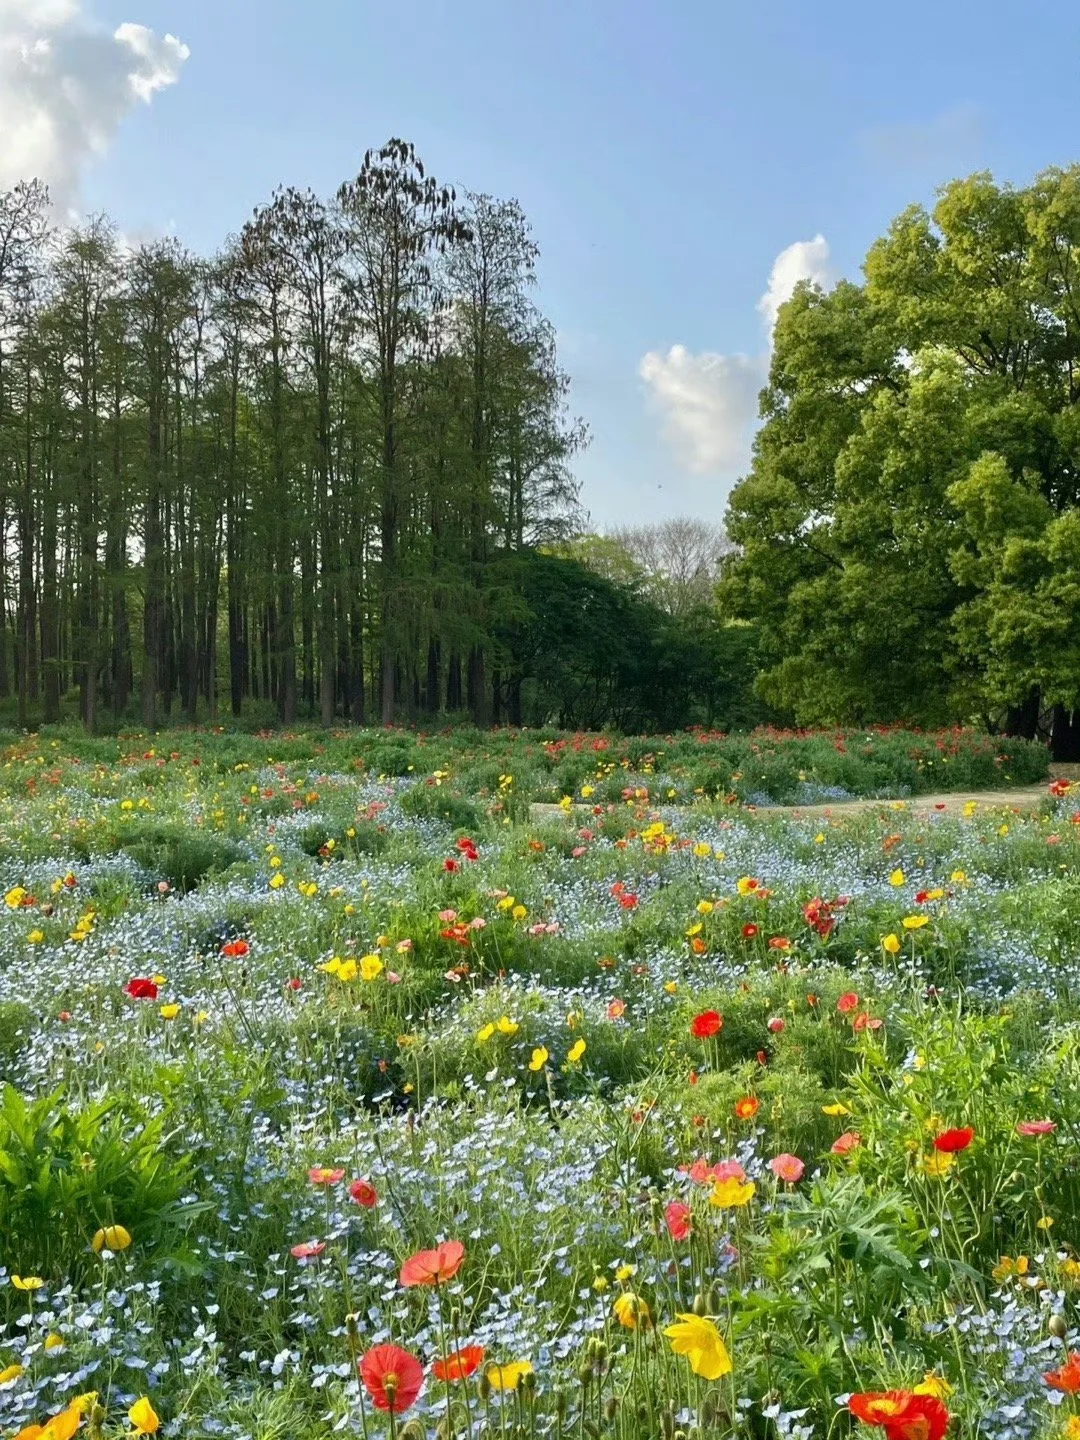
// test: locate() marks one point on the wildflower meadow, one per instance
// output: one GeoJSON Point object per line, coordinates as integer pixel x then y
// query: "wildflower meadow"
{"type": "Point", "coordinates": [341, 1100]}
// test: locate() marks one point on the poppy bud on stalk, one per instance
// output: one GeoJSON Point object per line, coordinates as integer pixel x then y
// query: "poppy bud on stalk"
{"type": "Point", "coordinates": [1058, 1327]}
{"type": "Point", "coordinates": [611, 1406]}
{"type": "Point", "coordinates": [484, 1386]}
{"type": "Point", "coordinates": [700, 1305]}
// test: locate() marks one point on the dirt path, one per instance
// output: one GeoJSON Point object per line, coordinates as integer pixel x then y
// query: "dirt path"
{"type": "Point", "coordinates": [1021, 797]}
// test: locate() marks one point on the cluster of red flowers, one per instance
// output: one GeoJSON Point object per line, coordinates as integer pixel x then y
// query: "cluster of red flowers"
{"type": "Point", "coordinates": [626, 898]}
{"type": "Point", "coordinates": [392, 1377]}
{"type": "Point", "coordinates": [902, 1414]}
{"type": "Point", "coordinates": [821, 916]}
{"type": "Point", "coordinates": [848, 1002]}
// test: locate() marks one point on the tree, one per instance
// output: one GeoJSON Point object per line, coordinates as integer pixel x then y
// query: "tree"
{"type": "Point", "coordinates": [864, 553]}
{"type": "Point", "coordinates": [314, 456]}
{"type": "Point", "coordinates": [398, 220]}
{"type": "Point", "coordinates": [680, 559]}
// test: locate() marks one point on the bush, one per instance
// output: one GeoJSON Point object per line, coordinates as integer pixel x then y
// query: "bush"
{"type": "Point", "coordinates": [436, 802]}
{"type": "Point", "coordinates": [182, 857]}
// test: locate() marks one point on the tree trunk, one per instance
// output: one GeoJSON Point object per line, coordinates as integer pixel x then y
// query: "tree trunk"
{"type": "Point", "coordinates": [1023, 719]}
{"type": "Point", "coordinates": [1065, 735]}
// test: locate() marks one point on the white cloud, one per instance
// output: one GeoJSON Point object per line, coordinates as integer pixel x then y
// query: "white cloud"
{"type": "Point", "coordinates": [65, 88]}
{"type": "Point", "coordinates": [804, 260]}
{"type": "Point", "coordinates": [709, 401]}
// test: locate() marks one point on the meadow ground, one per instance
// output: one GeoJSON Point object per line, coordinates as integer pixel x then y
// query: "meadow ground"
{"type": "Point", "coordinates": [342, 1094]}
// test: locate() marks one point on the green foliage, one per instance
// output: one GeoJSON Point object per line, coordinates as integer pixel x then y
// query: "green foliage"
{"type": "Point", "coordinates": [592, 653]}
{"type": "Point", "coordinates": [907, 532]}
{"type": "Point", "coordinates": [170, 852]}
{"type": "Point", "coordinates": [67, 1170]}
{"type": "Point", "coordinates": [438, 802]}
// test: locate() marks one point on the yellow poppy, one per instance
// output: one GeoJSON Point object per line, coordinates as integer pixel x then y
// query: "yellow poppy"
{"type": "Point", "coordinates": [696, 1337]}
{"type": "Point", "coordinates": [508, 1377]}
{"type": "Point", "coordinates": [144, 1417]}
{"type": "Point", "coordinates": [111, 1237]}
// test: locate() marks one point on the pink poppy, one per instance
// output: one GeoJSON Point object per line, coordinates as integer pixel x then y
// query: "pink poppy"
{"type": "Point", "coordinates": [787, 1167]}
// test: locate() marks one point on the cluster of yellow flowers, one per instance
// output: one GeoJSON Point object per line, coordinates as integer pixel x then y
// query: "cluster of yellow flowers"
{"type": "Point", "coordinates": [368, 968]}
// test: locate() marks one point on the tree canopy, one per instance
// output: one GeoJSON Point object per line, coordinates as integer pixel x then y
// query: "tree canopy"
{"type": "Point", "coordinates": [909, 533]}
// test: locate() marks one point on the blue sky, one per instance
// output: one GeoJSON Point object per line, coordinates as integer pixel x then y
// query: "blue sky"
{"type": "Point", "coordinates": [666, 153]}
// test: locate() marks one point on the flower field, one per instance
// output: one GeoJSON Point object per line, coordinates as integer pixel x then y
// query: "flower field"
{"type": "Point", "coordinates": [341, 1096]}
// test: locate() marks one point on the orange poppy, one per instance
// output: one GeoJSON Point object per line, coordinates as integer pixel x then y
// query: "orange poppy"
{"type": "Point", "coordinates": [433, 1267]}
{"type": "Point", "coordinates": [1066, 1377]}
{"type": "Point", "coordinates": [747, 1107]}
{"type": "Point", "coordinates": [459, 1364]}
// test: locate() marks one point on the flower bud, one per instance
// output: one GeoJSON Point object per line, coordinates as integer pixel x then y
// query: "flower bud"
{"type": "Point", "coordinates": [700, 1305]}
{"type": "Point", "coordinates": [1058, 1327]}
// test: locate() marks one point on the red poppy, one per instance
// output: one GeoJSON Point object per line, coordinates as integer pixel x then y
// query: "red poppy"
{"type": "Point", "coordinates": [677, 1216]}
{"type": "Point", "coordinates": [844, 1144]}
{"type": "Point", "coordinates": [294, 984]}
{"type": "Point", "coordinates": [749, 931]}
{"type": "Point", "coordinates": [364, 1193]}
{"type": "Point", "coordinates": [847, 1002]}
{"type": "Point", "coordinates": [779, 942]}
{"type": "Point", "coordinates": [950, 1141]}
{"type": "Point", "coordinates": [308, 1251]}
{"type": "Point", "coordinates": [459, 1364]}
{"type": "Point", "coordinates": [902, 1414]}
{"type": "Point", "coordinates": [323, 1175]}
{"type": "Point", "coordinates": [450, 865]}
{"type": "Point", "coordinates": [433, 1267]}
{"type": "Point", "coordinates": [776, 1025]}
{"type": "Point", "coordinates": [628, 902]}
{"type": "Point", "coordinates": [1036, 1127]}
{"type": "Point", "coordinates": [1066, 1377]}
{"type": "Point", "coordinates": [392, 1377]}
{"type": "Point", "coordinates": [235, 949]}
{"type": "Point", "coordinates": [140, 989]}
{"type": "Point", "coordinates": [747, 1107]}
{"type": "Point", "coordinates": [708, 1023]}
